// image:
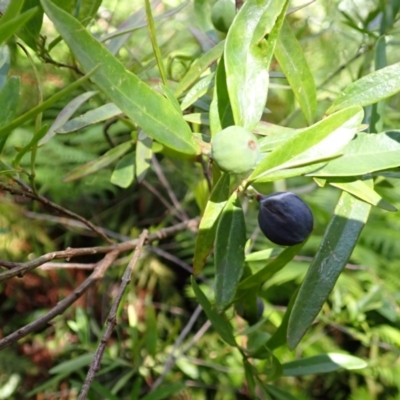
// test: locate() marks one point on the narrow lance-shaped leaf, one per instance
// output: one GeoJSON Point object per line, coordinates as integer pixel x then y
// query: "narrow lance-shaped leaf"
{"type": "Point", "coordinates": [93, 166]}
{"type": "Point", "coordinates": [220, 109]}
{"type": "Point", "coordinates": [199, 66]}
{"type": "Point", "coordinates": [248, 56]}
{"type": "Point", "coordinates": [144, 153]}
{"type": "Point", "coordinates": [147, 108]}
{"type": "Point", "coordinates": [229, 251]}
{"type": "Point", "coordinates": [336, 247]}
{"type": "Point", "coordinates": [10, 27]}
{"type": "Point", "coordinates": [9, 98]}
{"type": "Point", "coordinates": [124, 172]}
{"type": "Point", "coordinates": [363, 191]}
{"type": "Point", "coordinates": [322, 363]}
{"type": "Point", "coordinates": [318, 142]}
{"type": "Point", "coordinates": [369, 89]}
{"type": "Point", "coordinates": [32, 113]}
{"type": "Point", "coordinates": [91, 117]}
{"type": "Point", "coordinates": [364, 154]}
{"type": "Point", "coordinates": [199, 89]}
{"type": "Point", "coordinates": [291, 59]}
{"type": "Point", "coordinates": [208, 223]}
{"type": "Point", "coordinates": [219, 322]}
{"type": "Point", "coordinates": [4, 64]}
{"type": "Point", "coordinates": [66, 113]}
{"type": "Point", "coordinates": [272, 267]}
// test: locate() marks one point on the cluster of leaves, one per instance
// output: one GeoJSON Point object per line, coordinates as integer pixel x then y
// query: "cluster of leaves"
{"type": "Point", "coordinates": [341, 148]}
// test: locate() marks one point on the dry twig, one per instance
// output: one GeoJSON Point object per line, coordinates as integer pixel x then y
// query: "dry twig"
{"type": "Point", "coordinates": [97, 274]}
{"type": "Point", "coordinates": [112, 318]}
{"type": "Point", "coordinates": [29, 193]}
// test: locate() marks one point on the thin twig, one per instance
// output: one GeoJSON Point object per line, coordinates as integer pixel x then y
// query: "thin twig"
{"type": "Point", "coordinates": [112, 318]}
{"type": "Point", "coordinates": [160, 197]}
{"type": "Point", "coordinates": [18, 269]}
{"type": "Point", "coordinates": [169, 364]}
{"type": "Point", "coordinates": [63, 304]}
{"type": "Point", "coordinates": [29, 193]}
{"type": "Point", "coordinates": [73, 223]}
{"type": "Point", "coordinates": [52, 266]}
{"type": "Point", "coordinates": [161, 176]}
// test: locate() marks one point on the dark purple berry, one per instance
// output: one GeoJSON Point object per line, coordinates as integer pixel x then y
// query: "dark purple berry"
{"type": "Point", "coordinates": [284, 218]}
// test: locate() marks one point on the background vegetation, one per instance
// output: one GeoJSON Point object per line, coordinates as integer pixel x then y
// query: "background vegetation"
{"type": "Point", "coordinates": [112, 174]}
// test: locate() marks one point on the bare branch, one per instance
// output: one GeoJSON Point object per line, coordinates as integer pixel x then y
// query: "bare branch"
{"type": "Point", "coordinates": [19, 269]}
{"type": "Point", "coordinates": [112, 318]}
{"type": "Point", "coordinates": [29, 193]}
{"type": "Point", "coordinates": [63, 304]}
{"type": "Point", "coordinates": [161, 176]}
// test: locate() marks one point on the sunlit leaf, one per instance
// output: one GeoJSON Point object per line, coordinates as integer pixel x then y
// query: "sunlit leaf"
{"type": "Point", "coordinates": [230, 240]}
{"type": "Point", "coordinates": [339, 240]}
{"type": "Point", "coordinates": [322, 364]}
{"type": "Point", "coordinates": [369, 89]}
{"type": "Point", "coordinates": [248, 56]}
{"type": "Point", "coordinates": [208, 224]}
{"type": "Point", "coordinates": [291, 59]}
{"type": "Point", "coordinates": [150, 110]}
{"type": "Point", "coordinates": [93, 166]}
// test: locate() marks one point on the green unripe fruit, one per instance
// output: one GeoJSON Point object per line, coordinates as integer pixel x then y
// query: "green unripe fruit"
{"type": "Point", "coordinates": [235, 150]}
{"type": "Point", "coordinates": [222, 14]}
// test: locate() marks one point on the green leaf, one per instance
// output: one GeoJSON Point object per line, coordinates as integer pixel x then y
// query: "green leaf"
{"type": "Point", "coordinates": [220, 109]}
{"type": "Point", "coordinates": [150, 110]}
{"type": "Point", "coordinates": [6, 129]}
{"type": "Point", "coordinates": [144, 153]}
{"type": "Point", "coordinates": [198, 67]}
{"type": "Point", "coordinates": [66, 113]}
{"type": "Point", "coordinates": [33, 142]}
{"type": "Point", "coordinates": [199, 89]}
{"type": "Point", "coordinates": [369, 89]}
{"type": "Point", "coordinates": [93, 166]}
{"type": "Point", "coordinates": [279, 394]}
{"type": "Point", "coordinates": [91, 117]}
{"type": "Point", "coordinates": [12, 10]}
{"type": "Point", "coordinates": [124, 172]}
{"type": "Point", "coordinates": [208, 224]}
{"type": "Point", "coordinates": [278, 339]}
{"type": "Point", "coordinates": [248, 56]}
{"type": "Point", "coordinates": [273, 266]}
{"type": "Point", "coordinates": [219, 322]}
{"type": "Point", "coordinates": [315, 143]}
{"type": "Point", "coordinates": [29, 33]}
{"type": "Point", "coordinates": [9, 99]}
{"type": "Point", "coordinates": [229, 251]}
{"type": "Point", "coordinates": [335, 249]}
{"type": "Point", "coordinates": [364, 192]}
{"type": "Point", "coordinates": [364, 154]}
{"type": "Point", "coordinates": [322, 364]}
{"type": "Point", "coordinates": [7, 29]}
{"type": "Point", "coordinates": [249, 374]}
{"type": "Point", "coordinates": [4, 64]}
{"type": "Point", "coordinates": [164, 392]}
{"type": "Point", "coordinates": [291, 59]}
{"type": "Point", "coordinates": [74, 364]}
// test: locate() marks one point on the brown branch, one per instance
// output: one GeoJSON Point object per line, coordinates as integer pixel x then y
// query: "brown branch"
{"type": "Point", "coordinates": [112, 318]}
{"type": "Point", "coordinates": [19, 269]}
{"type": "Point", "coordinates": [160, 197]}
{"type": "Point", "coordinates": [29, 193]}
{"type": "Point", "coordinates": [162, 178]}
{"type": "Point", "coordinates": [63, 304]}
